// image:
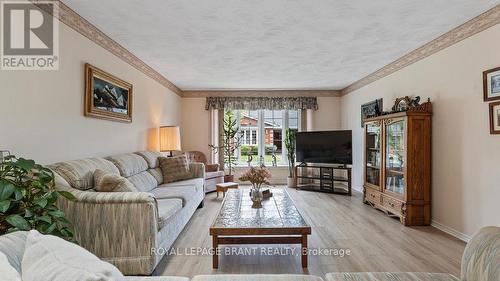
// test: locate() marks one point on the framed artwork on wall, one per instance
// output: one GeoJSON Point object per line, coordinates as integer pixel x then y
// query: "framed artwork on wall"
{"type": "Point", "coordinates": [371, 109]}
{"type": "Point", "coordinates": [495, 117]}
{"type": "Point", "coordinates": [106, 96]}
{"type": "Point", "coordinates": [491, 84]}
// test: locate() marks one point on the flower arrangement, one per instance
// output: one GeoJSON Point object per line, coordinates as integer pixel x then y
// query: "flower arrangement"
{"type": "Point", "coordinates": [256, 176]}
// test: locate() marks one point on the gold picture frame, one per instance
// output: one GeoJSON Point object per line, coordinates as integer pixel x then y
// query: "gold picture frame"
{"type": "Point", "coordinates": [106, 96]}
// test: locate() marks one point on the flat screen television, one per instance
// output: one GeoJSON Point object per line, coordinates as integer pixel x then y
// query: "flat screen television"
{"type": "Point", "coordinates": [328, 147]}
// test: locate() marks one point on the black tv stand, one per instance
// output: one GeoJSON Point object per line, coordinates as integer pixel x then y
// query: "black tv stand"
{"type": "Point", "coordinates": [330, 178]}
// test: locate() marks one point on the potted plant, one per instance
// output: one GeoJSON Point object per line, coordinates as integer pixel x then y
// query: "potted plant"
{"type": "Point", "coordinates": [231, 141]}
{"type": "Point", "coordinates": [28, 199]}
{"type": "Point", "coordinates": [290, 152]}
{"type": "Point", "coordinates": [257, 177]}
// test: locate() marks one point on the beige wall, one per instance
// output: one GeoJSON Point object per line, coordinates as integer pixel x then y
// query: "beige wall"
{"type": "Point", "coordinates": [466, 169]}
{"type": "Point", "coordinates": [41, 112]}
{"type": "Point", "coordinates": [195, 128]}
{"type": "Point", "coordinates": [327, 117]}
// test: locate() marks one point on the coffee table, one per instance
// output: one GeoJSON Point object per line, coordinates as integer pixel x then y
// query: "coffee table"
{"type": "Point", "coordinates": [277, 222]}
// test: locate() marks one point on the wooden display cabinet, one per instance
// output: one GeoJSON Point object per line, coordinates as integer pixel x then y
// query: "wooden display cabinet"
{"type": "Point", "coordinates": [397, 166]}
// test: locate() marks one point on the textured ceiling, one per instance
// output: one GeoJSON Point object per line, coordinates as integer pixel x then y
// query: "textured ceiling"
{"type": "Point", "coordinates": [273, 44]}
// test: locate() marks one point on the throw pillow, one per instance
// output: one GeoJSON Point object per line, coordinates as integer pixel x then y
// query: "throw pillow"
{"type": "Point", "coordinates": [9, 273]}
{"type": "Point", "coordinates": [50, 258]}
{"type": "Point", "coordinates": [174, 168]}
{"type": "Point", "coordinates": [107, 182]}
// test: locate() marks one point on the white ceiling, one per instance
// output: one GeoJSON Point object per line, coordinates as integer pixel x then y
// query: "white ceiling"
{"type": "Point", "coordinates": [273, 44]}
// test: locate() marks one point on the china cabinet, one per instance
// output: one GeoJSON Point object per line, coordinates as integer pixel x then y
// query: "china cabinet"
{"type": "Point", "coordinates": [397, 166]}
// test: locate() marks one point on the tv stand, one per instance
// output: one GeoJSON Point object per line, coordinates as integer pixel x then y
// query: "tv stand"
{"type": "Point", "coordinates": [328, 178]}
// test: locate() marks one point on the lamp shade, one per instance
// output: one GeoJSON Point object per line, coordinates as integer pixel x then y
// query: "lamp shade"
{"type": "Point", "coordinates": [170, 138]}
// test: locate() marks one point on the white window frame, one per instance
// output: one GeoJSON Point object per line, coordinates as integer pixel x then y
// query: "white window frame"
{"type": "Point", "coordinates": [261, 131]}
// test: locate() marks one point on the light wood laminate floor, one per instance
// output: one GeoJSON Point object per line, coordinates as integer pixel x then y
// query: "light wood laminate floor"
{"type": "Point", "coordinates": [376, 242]}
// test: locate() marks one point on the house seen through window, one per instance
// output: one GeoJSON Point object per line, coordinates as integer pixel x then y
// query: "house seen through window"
{"type": "Point", "coordinates": [262, 134]}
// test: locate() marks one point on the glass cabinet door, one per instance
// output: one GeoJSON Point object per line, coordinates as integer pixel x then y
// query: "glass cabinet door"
{"type": "Point", "coordinates": [395, 156]}
{"type": "Point", "coordinates": [373, 153]}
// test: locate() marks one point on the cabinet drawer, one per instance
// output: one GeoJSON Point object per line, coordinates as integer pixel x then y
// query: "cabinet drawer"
{"type": "Point", "coordinates": [392, 205]}
{"type": "Point", "coordinates": [373, 196]}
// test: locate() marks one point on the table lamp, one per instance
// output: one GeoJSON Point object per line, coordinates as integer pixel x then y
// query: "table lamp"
{"type": "Point", "coordinates": [170, 139]}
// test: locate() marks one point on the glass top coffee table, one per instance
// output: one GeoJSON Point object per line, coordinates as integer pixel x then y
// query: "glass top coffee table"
{"type": "Point", "coordinates": [277, 222]}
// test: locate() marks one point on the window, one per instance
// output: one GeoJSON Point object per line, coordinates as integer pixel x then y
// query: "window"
{"type": "Point", "coordinates": [248, 122]}
{"type": "Point", "coordinates": [249, 137]}
{"type": "Point", "coordinates": [271, 125]}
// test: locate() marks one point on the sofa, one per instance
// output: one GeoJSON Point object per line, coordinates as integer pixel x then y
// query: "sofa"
{"type": "Point", "coordinates": [480, 262]}
{"type": "Point", "coordinates": [131, 230]}
{"type": "Point", "coordinates": [213, 175]}
{"type": "Point", "coordinates": [15, 245]}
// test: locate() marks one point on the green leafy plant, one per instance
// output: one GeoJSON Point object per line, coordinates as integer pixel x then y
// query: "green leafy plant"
{"type": "Point", "coordinates": [249, 150]}
{"type": "Point", "coordinates": [231, 140]}
{"type": "Point", "coordinates": [28, 199]}
{"type": "Point", "coordinates": [289, 141]}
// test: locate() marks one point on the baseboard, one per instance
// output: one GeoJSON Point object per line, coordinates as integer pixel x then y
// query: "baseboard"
{"type": "Point", "coordinates": [357, 188]}
{"type": "Point", "coordinates": [457, 234]}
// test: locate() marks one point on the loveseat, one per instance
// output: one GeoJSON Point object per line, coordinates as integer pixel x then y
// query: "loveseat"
{"type": "Point", "coordinates": [131, 230]}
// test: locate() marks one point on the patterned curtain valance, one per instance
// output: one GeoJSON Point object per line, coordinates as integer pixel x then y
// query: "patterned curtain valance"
{"type": "Point", "coordinates": [256, 103]}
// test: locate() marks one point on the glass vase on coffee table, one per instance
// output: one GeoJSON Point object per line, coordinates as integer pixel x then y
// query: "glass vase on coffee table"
{"type": "Point", "coordinates": [257, 177]}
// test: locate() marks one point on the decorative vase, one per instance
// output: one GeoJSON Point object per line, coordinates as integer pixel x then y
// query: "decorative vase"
{"type": "Point", "coordinates": [290, 181]}
{"type": "Point", "coordinates": [256, 197]}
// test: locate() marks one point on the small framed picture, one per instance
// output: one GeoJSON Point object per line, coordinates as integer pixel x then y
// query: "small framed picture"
{"type": "Point", "coordinates": [106, 96]}
{"type": "Point", "coordinates": [371, 109]}
{"type": "Point", "coordinates": [495, 117]}
{"type": "Point", "coordinates": [491, 84]}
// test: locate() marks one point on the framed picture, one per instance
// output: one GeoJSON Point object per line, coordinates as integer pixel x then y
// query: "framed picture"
{"type": "Point", "coordinates": [371, 109]}
{"type": "Point", "coordinates": [106, 96]}
{"type": "Point", "coordinates": [495, 117]}
{"type": "Point", "coordinates": [491, 84]}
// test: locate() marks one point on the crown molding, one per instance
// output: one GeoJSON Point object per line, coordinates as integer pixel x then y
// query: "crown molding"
{"type": "Point", "coordinates": [261, 93]}
{"type": "Point", "coordinates": [480, 23]}
{"type": "Point", "coordinates": [72, 19]}
{"type": "Point", "coordinates": [473, 26]}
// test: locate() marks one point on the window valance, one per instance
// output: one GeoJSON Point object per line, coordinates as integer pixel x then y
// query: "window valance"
{"type": "Point", "coordinates": [256, 103]}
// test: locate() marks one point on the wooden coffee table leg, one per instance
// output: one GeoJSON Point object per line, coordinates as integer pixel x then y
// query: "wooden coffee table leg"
{"type": "Point", "coordinates": [304, 251]}
{"type": "Point", "coordinates": [215, 257]}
